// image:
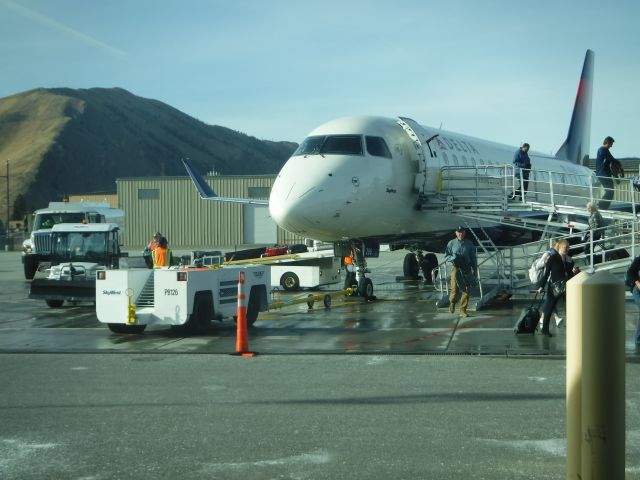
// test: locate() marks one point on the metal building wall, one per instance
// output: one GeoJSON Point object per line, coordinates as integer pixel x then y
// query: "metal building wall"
{"type": "Point", "coordinates": [185, 219]}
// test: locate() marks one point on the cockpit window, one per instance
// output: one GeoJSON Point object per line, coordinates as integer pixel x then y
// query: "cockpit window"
{"type": "Point", "coordinates": [342, 145]}
{"type": "Point", "coordinates": [331, 145]}
{"type": "Point", "coordinates": [377, 147]}
{"type": "Point", "coordinates": [310, 146]}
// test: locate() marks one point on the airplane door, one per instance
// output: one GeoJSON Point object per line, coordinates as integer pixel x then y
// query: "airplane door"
{"type": "Point", "coordinates": [424, 180]}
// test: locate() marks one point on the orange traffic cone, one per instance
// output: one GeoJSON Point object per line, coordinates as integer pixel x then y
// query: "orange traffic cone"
{"type": "Point", "coordinates": [242, 340]}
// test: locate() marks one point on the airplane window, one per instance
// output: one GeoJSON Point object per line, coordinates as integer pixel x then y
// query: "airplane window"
{"type": "Point", "coordinates": [331, 144]}
{"type": "Point", "coordinates": [342, 145]}
{"type": "Point", "coordinates": [310, 146]}
{"type": "Point", "coordinates": [377, 147]}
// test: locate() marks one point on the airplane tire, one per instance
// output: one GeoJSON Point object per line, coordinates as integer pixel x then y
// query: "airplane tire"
{"type": "Point", "coordinates": [429, 262]}
{"type": "Point", "coordinates": [410, 267]}
{"type": "Point", "coordinates": [365, 288]}
{"type": "Point", "coordinates": [54, 303]}
{"type": "Point", "coordinates": [290, 281]}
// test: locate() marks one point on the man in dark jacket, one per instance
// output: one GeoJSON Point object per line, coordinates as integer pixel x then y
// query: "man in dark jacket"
{"type": "Point", "coordinates": [633, 282]}
{"type": "Point", "coordinates": [604, 161]}
{"type": "Point", "coordinates": [522, 165]}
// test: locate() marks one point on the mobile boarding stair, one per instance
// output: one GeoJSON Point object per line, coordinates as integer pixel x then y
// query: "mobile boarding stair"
{"type": "Point", "coordinates": [554, 207]}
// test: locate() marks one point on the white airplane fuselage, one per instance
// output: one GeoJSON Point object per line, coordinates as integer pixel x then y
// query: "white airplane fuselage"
{"type": "Point", "coordinates": [338, 195]}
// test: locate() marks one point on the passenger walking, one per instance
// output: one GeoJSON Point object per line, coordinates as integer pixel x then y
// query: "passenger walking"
{"type": "Point", "coordinates": [161, 254]}
{"type": "Point", "coordinates": [633, 282]}
{"type": "Point", "coordinates": [462, 255]}
{"type": "Point", "coordinates": [596, 225]}
{"type": "Point", "coordinates": [522, 169]}
{"type": "Point", "coordinates": [554, 279]}
{"type": "Point", "coordinates": [604, 163]}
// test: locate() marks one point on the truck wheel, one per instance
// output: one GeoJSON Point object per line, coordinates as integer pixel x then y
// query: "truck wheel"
{"type": "Point", "coordinates": [121, 328]}
{"type": "Point", "coordinates": [30, 267]}
{"type": "Point", "coordinates": [290, 281]}
{"type": "Point", "coordinates": [200, 319]}
{"type": "Point", "coordinates": [54, 303]}
{"type": "Point", "coordinates": [253, 308]}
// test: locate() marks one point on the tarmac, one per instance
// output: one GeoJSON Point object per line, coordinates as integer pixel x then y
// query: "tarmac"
{"type": "Point", "coordinates": [393, 388]}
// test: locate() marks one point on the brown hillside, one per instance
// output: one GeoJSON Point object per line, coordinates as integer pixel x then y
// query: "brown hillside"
{"type": "Point", "coordinates": [65, 141]}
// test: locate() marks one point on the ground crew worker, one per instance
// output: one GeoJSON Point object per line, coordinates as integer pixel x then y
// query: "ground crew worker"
{"type": "Point", "coordinates": [350, 269]}
{"type": "Point", "coordinates": [147, 254]}
{"type": "Point", "coordinates": [161, 255]}
{"type": "Point", "coordinates": [462, 255]}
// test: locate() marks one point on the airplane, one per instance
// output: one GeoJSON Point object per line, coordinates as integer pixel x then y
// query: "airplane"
{"type": "Point", "coordinates": [360, 181]}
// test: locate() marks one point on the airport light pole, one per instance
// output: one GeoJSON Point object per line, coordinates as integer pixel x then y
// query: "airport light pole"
{"type": "Point", "coordinates": [8, 207]}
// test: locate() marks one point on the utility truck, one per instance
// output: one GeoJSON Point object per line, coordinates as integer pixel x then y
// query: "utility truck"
{"type": "Point", "coordinates": [37, 248]}
{"type": "Point", "coordinates": [76, 252]}
{"type": "Point", "coordinates": [184, 297]}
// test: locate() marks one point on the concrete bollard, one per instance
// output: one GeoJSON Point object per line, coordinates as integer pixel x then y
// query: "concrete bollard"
{"type": "Point", "coordinates": [575, 303]}
{"type": "Point", "coordinates": [603, 380]}
{"type": "Point", "coordinates": [595, 377]}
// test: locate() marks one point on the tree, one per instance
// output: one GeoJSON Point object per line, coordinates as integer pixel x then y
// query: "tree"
{"type": "Point", "coordinates": [20, 208]}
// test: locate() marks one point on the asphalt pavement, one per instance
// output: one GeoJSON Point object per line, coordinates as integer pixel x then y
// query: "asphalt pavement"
{"type": "Point", "coordinates": [374, 390]}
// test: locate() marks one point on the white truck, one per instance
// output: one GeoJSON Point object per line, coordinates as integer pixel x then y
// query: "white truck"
{"type": "Point", "coordinates": [187, 297]}
{"type": "Point", "coordinates": [37, 248]}
{"type": "Point", "coordinates": [77, 251]}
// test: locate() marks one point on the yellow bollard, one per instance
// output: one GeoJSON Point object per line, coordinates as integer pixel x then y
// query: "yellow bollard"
{"type": "Point", "coordinates": [603, 380]}
{"type": "Point", "coordinates": [575, 314]}
{"type": "Point", "coordinates": [131, 308]}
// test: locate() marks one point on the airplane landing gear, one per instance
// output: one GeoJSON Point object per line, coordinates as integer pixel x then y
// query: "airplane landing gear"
{"type": "Point", "coordinates": [416, 261]}
{"type": "Point", "coordinates": [356, 270]}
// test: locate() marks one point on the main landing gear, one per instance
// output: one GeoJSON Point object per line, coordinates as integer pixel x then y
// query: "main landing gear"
{"type": "Point", "coordinates": [416, 261]}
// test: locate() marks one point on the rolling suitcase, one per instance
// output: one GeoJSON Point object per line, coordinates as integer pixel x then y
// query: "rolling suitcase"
{"type": "Point", "coordinates": [528, 319]}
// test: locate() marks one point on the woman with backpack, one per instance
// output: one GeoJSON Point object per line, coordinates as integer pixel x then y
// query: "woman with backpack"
{"type": "Point", "coordinates": [554, 279]}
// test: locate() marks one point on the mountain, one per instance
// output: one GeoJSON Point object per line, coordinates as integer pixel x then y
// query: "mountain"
{"type": "Point", "coordinates": [64, 141]}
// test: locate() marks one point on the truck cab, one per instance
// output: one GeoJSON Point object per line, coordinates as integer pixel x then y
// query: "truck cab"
{"type": "Point", "coordinates": [77, 251]}
{"type": "Point", "coordinates": [37, 248]}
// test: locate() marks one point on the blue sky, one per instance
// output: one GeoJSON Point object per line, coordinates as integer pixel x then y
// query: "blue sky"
{"type": "Point", "coordinates": [502, 70]}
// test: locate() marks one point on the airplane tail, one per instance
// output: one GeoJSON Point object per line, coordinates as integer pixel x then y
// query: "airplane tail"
{"type": "Point", "coordinates": [576, 147]}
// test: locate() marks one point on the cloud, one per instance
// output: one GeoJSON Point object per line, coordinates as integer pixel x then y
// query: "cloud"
{"type": "Point", "coordinates": [62, 28]}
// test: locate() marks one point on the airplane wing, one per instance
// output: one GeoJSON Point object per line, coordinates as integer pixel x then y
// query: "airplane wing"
{"type": "Point", "coordinates": [207, 193]}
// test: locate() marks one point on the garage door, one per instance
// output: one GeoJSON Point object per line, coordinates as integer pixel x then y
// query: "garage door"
{"type": "Point", "coordinates": [259, 227]}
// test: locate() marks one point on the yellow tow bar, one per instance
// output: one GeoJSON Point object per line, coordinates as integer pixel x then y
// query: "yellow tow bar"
{"type": "Point", "coordinates": [310, 300]}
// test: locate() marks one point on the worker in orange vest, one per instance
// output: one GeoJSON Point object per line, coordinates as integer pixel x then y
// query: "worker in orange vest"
{"type": "Point", "coordinates": [161, 254]}
{"type": "Point", "coordinates": [350, 268]}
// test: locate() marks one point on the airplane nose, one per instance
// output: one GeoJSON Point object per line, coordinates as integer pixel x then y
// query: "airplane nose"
{"type": "Point", "coordinates": [287, 206]}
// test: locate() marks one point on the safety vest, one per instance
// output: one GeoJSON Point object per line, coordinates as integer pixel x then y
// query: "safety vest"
{"type": "Point", "coordinates": [161, 257]}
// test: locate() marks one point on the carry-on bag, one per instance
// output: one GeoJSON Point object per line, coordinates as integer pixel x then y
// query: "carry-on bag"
{"type": "Point", "coordinates": [529, 318]}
